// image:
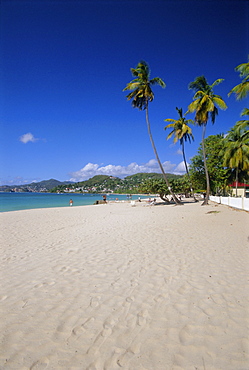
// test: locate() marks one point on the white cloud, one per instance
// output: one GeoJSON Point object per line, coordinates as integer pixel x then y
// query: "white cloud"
{"type": "Point", "coordinates": [18, 180]}
{"type": "Point", "coordinates": [179, 151]}
{"type": "Point", "coordinates": [27, 138]}
{"type": "Point", "coordinates": [92, 169]}
{"type": "Point", "coordinates": [180, 169]}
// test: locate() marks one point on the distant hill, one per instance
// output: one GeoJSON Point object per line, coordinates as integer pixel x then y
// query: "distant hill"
{"type": "Point", "coordinates": [104, 183]}
{"type": "Point", "coordinates": [98, 183]}
{"type": "Point", "coordinates": [50, 184]}
{"type": "Point", "coordinates": [45, 185]}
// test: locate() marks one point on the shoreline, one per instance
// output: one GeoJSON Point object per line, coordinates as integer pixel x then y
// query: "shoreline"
{"type": "Point", "coordinates": [22, 201]}
{"type": "Point", "coordinates": [144, 287]}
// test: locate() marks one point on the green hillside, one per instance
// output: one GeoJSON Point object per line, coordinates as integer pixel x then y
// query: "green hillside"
{"type": "Point", "coordinates": [103, 183]}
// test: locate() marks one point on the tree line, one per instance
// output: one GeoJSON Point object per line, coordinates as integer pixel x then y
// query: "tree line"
{"type": "Point", "coordinates": [233, 157]}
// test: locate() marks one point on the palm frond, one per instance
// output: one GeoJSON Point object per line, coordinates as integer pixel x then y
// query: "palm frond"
{"type": "Point", "coordinates": [170, 135]}
{"type": "Point", "coordinates": [131, 95]}
{"type": "Point", "coordinates": [200, 83]}
{"type": "Point", "coordinates": [237, 149]}
{"type": "Point", "coordinates": [243, 69]}
{"type": "Point", "coordinates": [158, 81]}
{"type": "Point", "coordinates": [169, 120]}
{"type": "Point", "coordinates": [220, 102]}
{"type": "Point", "coordinates": [217, 82]}
{"type": "Point", "coordinates": [141, 86]}
{"type": "Point", "coordinates": [213, 114]}
{"type": "Point", "coordinates": [132, 85]}
{"type": "Point", "coordinates": [193, 106]}
{"type": "Point", "coordinates": [134, 72]}
{"type": "Point", "coordinates": [190, 122]}
{"type": "Point", "coordinates": [245, 112]}
{"type": "Point", "coordinates": [179, 110]}
{"type": "Point", "coordinates": [240, 90]}
{"type": "Point", "coordinates": [198, 95]}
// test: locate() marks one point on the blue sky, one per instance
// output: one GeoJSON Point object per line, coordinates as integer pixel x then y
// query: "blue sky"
{"type": "Point", "coordinates": [65, 63]}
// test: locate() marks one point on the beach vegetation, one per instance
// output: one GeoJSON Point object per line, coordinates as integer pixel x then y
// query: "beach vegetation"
{"type": "Point", "coordinates": [205, 105]}
{"type": "Point", "coordinates": [242, 90]}
{"type": "Point", "coordinates": [181, 131]}
{"type": "Point", "coordinates": [236, 155]}
{"type": "Point", "coordinates": [111, 184]}
{"type": "Point", "coordinates": [219, 176]}
{"type": "Point", "coordinates": [244, 123]}
{"type": "Point", "coordinates": [141, 94]}
{"type": "Point", "coordinates": [179, 185]}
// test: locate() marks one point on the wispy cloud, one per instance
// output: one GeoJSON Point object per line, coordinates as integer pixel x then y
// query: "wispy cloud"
{"type": "Point", "coordinates": [26, 138]}
{"type": "Point", "coordinates": [92, 169]}
{"type": "Point", "coordinates": [18, 180]}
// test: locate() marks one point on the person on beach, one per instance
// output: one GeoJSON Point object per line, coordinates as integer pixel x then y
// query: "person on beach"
{"type": "Point", "coordinates": [104, 198]}
{"type": "Point", "coordinates": [71, 202]}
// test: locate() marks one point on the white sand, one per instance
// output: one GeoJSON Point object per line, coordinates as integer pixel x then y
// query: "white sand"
{"type": "Point", "coordinates": [114, 286]}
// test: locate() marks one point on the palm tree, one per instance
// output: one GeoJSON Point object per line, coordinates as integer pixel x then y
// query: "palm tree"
{"type": "Point", "coordinates": [242, 90]}
{"type": "Point", "coordinates": [182, 132]}
{"type": "Point", "coordinates": [244, 123]}
{"type": "Point", "coordinates": [205, 103]}
{"type": "Point", "coordinates": [236, 154]}
{"type": "Point", "coordinates": [141, 95]}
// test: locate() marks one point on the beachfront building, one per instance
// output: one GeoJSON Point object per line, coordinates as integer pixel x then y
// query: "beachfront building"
{"type": "Point", "coordinates": [242, 189]}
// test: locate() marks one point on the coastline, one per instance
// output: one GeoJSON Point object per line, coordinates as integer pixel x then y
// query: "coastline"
{"type": "Point", "coordinates": [21, 201]}
{"type": "Point", "coordinates": [110, 286]}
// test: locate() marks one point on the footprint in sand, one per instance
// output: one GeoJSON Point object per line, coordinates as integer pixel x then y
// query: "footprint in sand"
{"type": "Point", "coordinates": [88, 323]}
{"type": "Point", "coordinates": [78, 330]}
{"type": "Point", "coordinates": [95, 301]}
{"type": "Point", "coordinates": [142, 318]}
{"type": "Point", "coordinates": [102, 336]}
{"type": "Point", "coordinates": [134, 349]}
{"type": "Point", "coordinates": [160, 298]}
{"type": "Point", "coordinates": [40, 364]}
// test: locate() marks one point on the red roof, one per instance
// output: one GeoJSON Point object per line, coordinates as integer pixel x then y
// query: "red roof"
{"type": "Point", "coordinates": [240, 185]}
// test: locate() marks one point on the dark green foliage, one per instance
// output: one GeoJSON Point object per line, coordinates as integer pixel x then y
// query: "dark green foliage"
{"type": "Point", "coordinates": [103, 183]}
{"type": "Point", "coordinates": [218, 175]}
{"type": "Point", "coordinates": [179, 185]}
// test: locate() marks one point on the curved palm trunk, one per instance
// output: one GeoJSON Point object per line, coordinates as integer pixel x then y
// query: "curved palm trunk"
{"type": "Point", "coordinates": [186, 166]}
{"type": "Point", "coordinates": [177, 201]}
{"type": "Point", "coordinates": [205, 166]}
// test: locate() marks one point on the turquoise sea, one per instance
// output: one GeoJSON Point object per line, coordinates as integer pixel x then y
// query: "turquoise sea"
{"type": "Point", "coordinates": [20, 201]}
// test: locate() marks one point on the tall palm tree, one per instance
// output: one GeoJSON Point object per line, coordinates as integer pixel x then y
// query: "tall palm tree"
{"type": "Point", "coordinates": [141, 95]}
{"type": "Point", "coordinates": [205, 103]}
{"type": "Point", "coordinates": [242, 90]}
{"type": "Point", "coordinates": [182, 132]}
{"type": "Point", "coordinates": [236, 154]}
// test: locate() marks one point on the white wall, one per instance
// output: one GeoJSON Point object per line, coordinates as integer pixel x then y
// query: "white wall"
{"type": "Point", "coordinates": [240, 203]}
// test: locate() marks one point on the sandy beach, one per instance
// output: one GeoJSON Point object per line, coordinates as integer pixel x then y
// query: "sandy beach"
{"type": "Point", "coordinates": [121, 287]}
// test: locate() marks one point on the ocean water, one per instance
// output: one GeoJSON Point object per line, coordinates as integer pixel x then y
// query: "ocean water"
{"type": "Point", "coordinates": [21, 201]}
